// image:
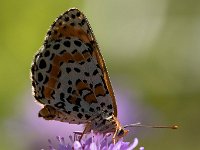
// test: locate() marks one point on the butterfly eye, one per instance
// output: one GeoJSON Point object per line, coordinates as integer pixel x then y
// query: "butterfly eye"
{"type": "Point", "coordinates": [120, 133]}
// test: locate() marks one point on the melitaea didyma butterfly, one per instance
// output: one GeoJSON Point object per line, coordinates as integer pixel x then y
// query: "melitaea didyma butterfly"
{"type": "Point", "coordinates": [70, 79]}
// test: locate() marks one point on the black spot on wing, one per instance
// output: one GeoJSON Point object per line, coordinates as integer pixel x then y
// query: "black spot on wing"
{"type": "Point", "coordinates": [72, 24]}
{"type": "Point", "coordinates": [87, 74]}
{"type": "Point", "coordinates": [68, 70]}
{"type": "Point", "coordinates": [73, 16]}
{"type": "Point", "coordinates": [77, 43]}
{"type": "Point", "coordinates": [109, 106]}
{"type": "Point", "coordinates": [59, 85]}
{"type": "Point", "coordinates": [79, 115]}
{"type": "Point", "coordinates": [91, 109]}
{"type": "Point", "coordinates": [76, 108]}
{"type": "Point", "coordinates": [42, 64]}
{"type": "Point", "coordinates": [69, 82]}
{"type": "Point", "coordinates": [95, 72]}
{"type": "Point", "coordinates": [40, 77]}
{"type": "Point", "coordinates": [87, 116]}
{"type": "Point", "coordinates": [77, 70]}
{"type": "Point", "coordinates": [66, 19]}
{"type": "Point", "coordinates": [56, 46]}
{"type": "Point", "coordinates": [47, 53]}
{"type": "Point", "coordinates": [67, 43]}
{"type": "Point", "coordinates": [74, 51]}
{"type": "Point", "coordinates": [62, 96]}
{"type": "Point", "coordinates": [102, 104]}
{"type": "Point", "coordinates": [53, 94]}
{"type": "Point", "coordinates": [69, 90]}
{"type": "Point", "coordinates": [81, 63]}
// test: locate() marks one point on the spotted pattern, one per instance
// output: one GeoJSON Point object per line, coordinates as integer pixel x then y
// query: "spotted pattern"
{"type": "Point", "coordinates": [69, 76]}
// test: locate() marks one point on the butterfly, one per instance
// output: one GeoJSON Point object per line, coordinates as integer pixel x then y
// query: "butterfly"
{"type": "Point", "coordinates": [70, 79]}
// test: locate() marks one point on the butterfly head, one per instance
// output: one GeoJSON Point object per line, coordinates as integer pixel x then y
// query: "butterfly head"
{"type": "Point", "coordinates": [121, 132]}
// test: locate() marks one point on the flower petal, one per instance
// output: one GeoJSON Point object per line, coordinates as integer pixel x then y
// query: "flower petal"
{"type": "Point", "coordinates": [77, 145]}
{"type": "Point", "coordinates": [124, 145]}
{"type": "Point", "coordinates": [68, 147]}
{"type": "Point", "coordinates": [94, 141]}
{"type": "Point", "coordinates": [93, 146]}
{"type": "Point", "coordinates": [118, 145]}
{"type": "Point", "coordinates": [133, 145]}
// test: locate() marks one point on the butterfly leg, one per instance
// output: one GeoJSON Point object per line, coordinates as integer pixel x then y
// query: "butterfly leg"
{"type": "Point", "coordinates": [114, 137]}
{"type": "Point", "coordinates": [86, 130]}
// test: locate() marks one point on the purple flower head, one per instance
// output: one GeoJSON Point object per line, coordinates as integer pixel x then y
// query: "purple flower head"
{"type": "Point", "coordinates": [94, 141]}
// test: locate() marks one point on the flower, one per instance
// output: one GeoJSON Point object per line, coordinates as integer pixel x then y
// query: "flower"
{"type": "Point", "coordinates": [94, 141]}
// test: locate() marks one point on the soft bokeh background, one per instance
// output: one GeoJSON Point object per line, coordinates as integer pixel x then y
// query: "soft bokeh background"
{"type": "Point", "coordinates": [152, 51]}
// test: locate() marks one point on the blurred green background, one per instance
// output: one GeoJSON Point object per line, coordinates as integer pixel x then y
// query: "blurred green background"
{"type": "Point", "coordinates": [151, 46]}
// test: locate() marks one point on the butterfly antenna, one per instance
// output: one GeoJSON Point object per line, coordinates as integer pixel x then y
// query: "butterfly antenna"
{"type": "Point", "coordinates": [149, 126]}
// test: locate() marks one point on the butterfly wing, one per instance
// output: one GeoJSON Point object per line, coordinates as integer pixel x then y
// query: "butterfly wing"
{"type": "Point", "coordinates": [90, 37]}
{"type": "Point", "coordinates": [69, 73]}
{"type": "Point", "coordinates": [106, 78]}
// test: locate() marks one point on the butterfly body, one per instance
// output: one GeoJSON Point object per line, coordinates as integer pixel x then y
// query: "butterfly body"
{"type": "Point", "coordinates": [70, 79]}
